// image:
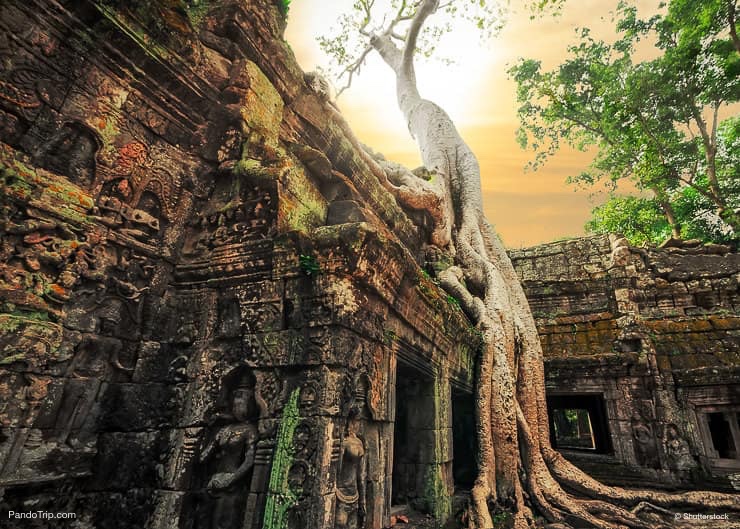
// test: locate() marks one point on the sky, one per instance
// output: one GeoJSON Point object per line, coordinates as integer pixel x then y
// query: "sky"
{"type": "Point", "coordinates": [526, 207]}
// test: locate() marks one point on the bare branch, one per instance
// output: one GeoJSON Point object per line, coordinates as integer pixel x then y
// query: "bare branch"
{"type": "Point", "coordinates": [353, 68]}
{"type": "Point", "coordinates": [388, 51]}
{"type": "Point", "coordinates": [426, 8]}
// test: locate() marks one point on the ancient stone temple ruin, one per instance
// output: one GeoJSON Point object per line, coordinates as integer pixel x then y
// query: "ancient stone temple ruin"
{"type": "Point", "coordinates": [643, 353]}
{"type": "Point", "coordinates": [213, 315]}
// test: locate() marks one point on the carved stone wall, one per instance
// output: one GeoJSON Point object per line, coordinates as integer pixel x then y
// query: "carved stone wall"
{"type": "Point", "coordinates": [655, 334]}
{"type": "Point", "coordinates": [213, 316]}
{"type": "Point", "coordinates": [205, 292]}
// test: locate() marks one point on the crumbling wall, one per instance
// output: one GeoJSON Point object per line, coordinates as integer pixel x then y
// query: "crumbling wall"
{"type": "Point", "coordinates": [654, 332]}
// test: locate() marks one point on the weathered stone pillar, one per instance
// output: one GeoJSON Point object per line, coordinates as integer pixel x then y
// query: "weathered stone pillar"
{"type": "Point", "coordinates": [438, 482]}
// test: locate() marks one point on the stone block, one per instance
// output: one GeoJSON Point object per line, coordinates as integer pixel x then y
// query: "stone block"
{"type": "Point", "coordinates": [127, 460]}
{"type": "Point", "coordinates": [137, 407]}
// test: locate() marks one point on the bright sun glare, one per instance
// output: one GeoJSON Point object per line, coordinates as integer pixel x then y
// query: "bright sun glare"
{"type": "Point", "coordinates": [527, 207]}
{"type": "Point", "coordinates": [371, 99]}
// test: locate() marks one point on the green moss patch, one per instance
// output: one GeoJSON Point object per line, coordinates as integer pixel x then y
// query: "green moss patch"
{"type": "Point", "coordinates": [280, 497]}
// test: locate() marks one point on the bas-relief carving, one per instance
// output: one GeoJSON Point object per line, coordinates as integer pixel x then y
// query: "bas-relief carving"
{"type": "Point", "coordinates": [215, 463]}
{"type": "Point", "coordinates": [63, 427]}
{"type": "Point", "coordinates": [28, 79]}
{"type": "Point", "coordinates": [229, 457]}
{"type": "Point", "coordinates": [351, 477]}
{"type": "Point", "coordinates": [261, 317]}
{"type": "Point", "coordinates": [71, 151]}
{"type": "Point", "coordinates": [44, 256]}
{"type": "Point", "coordinates": [99, 284]}
{"type": "Point", "coordinates": [644, 442]}
{"type": "Point", "coordinates": [118, 144]}
{"type": "Point", "coordinates": [235, 214]}
{"type": "Point", "coordinates": [17, 415]}
{"type": "Point", "coordinates": [677, 449]}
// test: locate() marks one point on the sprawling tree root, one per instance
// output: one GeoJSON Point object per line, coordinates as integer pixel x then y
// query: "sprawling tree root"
{"type": "Point", "coordinates": [512, 427]}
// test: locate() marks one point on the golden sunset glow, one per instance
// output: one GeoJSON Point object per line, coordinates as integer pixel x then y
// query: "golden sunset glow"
{"type": "Point", "coordinates": [526, 207]}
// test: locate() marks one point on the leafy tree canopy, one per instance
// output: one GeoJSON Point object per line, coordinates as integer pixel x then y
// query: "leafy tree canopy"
{"type": "Point", "coordinates": [642, 221]}
{"type": "Point", "coordinates": [655, 121]}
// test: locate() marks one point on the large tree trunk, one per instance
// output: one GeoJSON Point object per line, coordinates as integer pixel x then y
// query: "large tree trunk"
{"type": "Point", "coordinates": [514, 453]}
{"type": "Point", "coordinates": [716, 194]}
{"type": "Point", "coordinates": [668, 212]}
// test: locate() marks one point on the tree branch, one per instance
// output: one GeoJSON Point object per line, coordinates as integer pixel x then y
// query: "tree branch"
{"type": "Point", "coordinates": [388, 51]}
{"type": "Point", "coordinates": [353, 68]}
{"type": "Point", "coordinates": [367, 6]}
{"type": "Point", "coordinates": [715, 120]}
{"type": "Point", "coordinates": [733, 27]}
{"type": "Point", "coordinates": [426, 8]}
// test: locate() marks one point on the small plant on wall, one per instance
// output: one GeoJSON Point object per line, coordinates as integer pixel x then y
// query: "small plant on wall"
{"type": "Point", "coordinates": [284, 6]}
{"type": "Point", "coordinates": [309, 264]}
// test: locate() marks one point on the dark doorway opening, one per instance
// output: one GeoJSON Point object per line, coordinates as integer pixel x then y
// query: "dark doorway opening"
{"type": "Point", "coordinates": [579, 422]}
{"type": "Point", "coordinates": [720, 429]}
{"type": "Point", "coordinates": [413, 438]}
{"type": "Point", "coordinates": [464, 469]}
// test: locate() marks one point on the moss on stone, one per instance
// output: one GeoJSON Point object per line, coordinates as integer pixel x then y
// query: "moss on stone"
{"type": "Point", "coordinates": [436, 496]}
{"type": "Point", "coordinates": [22, 183]}
{"type": "Point", "coordinates": [136, 33]}
{"type": "Point", "coordinates": [252, 169]}
{"type": "Point", "coordinates": [14, 186]}
{"type": "Point", "coordinates": [197, 10]}
{"type": "Point", "coordinates": [263, 108]}
{"type": "Point", "coordinates": [302, 206]}
{"type": "Point", "coordinates": [38, 328]}
{"type": "Point", "coordinates": [280, 497]}
{"type": "Point", "coordinates": [108, 131]}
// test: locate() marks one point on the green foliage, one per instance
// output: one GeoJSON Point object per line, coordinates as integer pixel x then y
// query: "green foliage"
{"type": "Point", "coordinates": [281, 498]}
{"type": "Point", "coordinates": [284, 7]}
{"type": "Point", "coordinates": [196, 11]}
{"type": "Point", "coordinates": [650, 121]}
{"type": "Point", "coordinates": [642, 221]}
{"type": "Point", "coordinates": [639, 219]}
{"type": "Point", "coordinates": [452, 300]}
{"type": "Point", "coordinates": [309, 265]}
{"type": "Point", "coordinates": [502, 520]}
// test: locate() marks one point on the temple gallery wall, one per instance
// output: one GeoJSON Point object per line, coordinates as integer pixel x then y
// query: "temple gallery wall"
{"type": "Point", "coordinates": [213, 316]}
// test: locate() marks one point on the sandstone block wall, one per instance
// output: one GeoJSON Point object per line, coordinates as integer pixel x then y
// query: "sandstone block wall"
{"type": "Point", "coordinates": [655, 334]}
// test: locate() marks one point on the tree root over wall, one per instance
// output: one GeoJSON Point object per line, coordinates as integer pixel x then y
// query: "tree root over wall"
{"type": "Point", "coordinates": [517, 468]}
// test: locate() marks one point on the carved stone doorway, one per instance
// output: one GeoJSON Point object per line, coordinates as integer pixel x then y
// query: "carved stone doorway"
{"type": "Point", "coordinates": [414, 439]}
{"type": "Point", "coordinates": [579, 422]}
